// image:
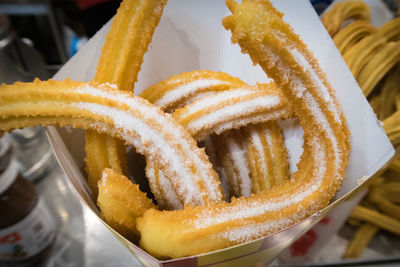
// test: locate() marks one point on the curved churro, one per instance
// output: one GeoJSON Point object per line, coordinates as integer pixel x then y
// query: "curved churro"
{"type": "Point", "coordinates": [121, 202]}
{"type": "Point", "coordinates": [103, 151]}
{"type": "Point", "coordinates": [358, 56]}
{"type": "Point", "coordinates": [389, 91]}
{"type": "Point", "coordinates": [351, 34]}
{"type": "Point", "coordinates": [121, 115]}
{"type": "Point", "coordinates": [182, 89]}
{"type": "Point", "coordinates": [391, 29]}
{"type": "Point", "coordinates": [218, 113]}
{"type": "Point", "coordinates": [378, 66]}
{"type": "Point", "coordinates": [267, 155]}
{"type": "Point", "coordinates": [119, 64]}
{"type": "Point", "coordinates": [200, 86]}
{"type": "Point", "coordinates": [233, 157]}
{"type": "Point", "coordinates": [232, 109]}
{"type": "Point", "coordinates": [260, 31]}
{"type": "Point", "coordinates": [341, 12]}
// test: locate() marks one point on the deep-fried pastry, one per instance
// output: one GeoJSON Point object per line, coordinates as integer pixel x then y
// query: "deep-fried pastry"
{"type": "Point", "coordinates": [121, 115]}
{"type": "Point", "coordinates": [359, 55]}
{"type": "Point", "coordinates": [378, 66]}
{"type": "Point", "coordinates": [389, 91]}
{"type": "Point", "coordinates": [260, 31]}
{"type": "Point", "coordinates": [127, 42]}
{"type": "Point", "coordinates": [341, 12]}
{"type": "Point", "coordinates": [361, 239]}
{"type": "Point", "coordinates": [121, 202]}
{"type": "Point", "coordinates": [215, 114]}
{"type": "Point", "coordinates": [391, 29]}
{"type": "Point", "coordinates": [200, 87]}
{"type": "Point", "coordinates": [182, 89]}
{"type": "Point", "coordinates": [233, 109]}
{"type": "Point", "coordinates": [351, 34]}
{"type": "Point", "coordinates": [119, 64]}
{"type": "Point", "coordinates": [374, 217]}
{"type": "Point", "coordinates": [233, 157]}
{"type": "Point", "coordinates": [267, 155]}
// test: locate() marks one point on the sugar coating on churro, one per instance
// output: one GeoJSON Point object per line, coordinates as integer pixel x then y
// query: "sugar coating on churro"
{"type": "Point", "coordinates": [261, 32]}
{"type": "Point", "coordinates": [130, 118]}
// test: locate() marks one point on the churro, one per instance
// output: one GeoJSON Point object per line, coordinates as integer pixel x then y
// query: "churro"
{"type": "Point", "coordinates": [351, 34]}
{"type": "Point", "coordinates": [358, 56]}
{"type": "Point", "coordinates": [233, 155]}
{"type": "Point", "coordinates": [267, 156]}
{"type": "Point", "coordinates": [361, 239]}
{"type": "Point", "coordinates": [132, 119]}
{"type": "Point", "coordinates": [385, 222]}
{"type": "Point", "coordinates": [119, 64]}
{"type": "Point", "coordinates": [378, 66]}
{"type": "Point", "coordinates": [121, 202]}
{"type": "Point", "coordinates": [389, 91]}
{"type": "Point", "coordinates": [342, 12]}
{"type": "Point", "coordinates": [199, 88]}
{"type": "Point", "coordinates": [182, 89]}
{"type": "Point", "coordinates": [233, 109]}
{"type": "Point", "coordinates": [260, 31]}
{"type": "Point", "coordinates": [391, 29]}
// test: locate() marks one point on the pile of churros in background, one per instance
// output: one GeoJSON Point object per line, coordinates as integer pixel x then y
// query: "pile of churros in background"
{"type": "Point", "coordinates": [373, 56]}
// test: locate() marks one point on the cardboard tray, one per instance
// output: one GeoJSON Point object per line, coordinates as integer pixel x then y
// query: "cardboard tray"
{"type": "Point", "coordinates": [190, 37]}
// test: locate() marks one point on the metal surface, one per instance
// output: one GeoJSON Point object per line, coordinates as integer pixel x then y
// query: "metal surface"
{"type": "Point", "coordinates": [82, 240]}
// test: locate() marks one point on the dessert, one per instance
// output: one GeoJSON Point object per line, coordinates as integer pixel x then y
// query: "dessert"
{"type": "Point", "coordinates": [260, 31]}
{"type": "Point", "coordinates": [119, 64]}
{"type": "Point", "coordinates": [341, 12]}
{"type": "Point", "coordinates": [391, 29]}
{"type": "Point", "coordinates": [108, 111]}
{"type": "Point", "coordinates": [379, 65]}
{"type": "Point", "coordinates": [220, 99]}
{"type": "Point", "coordinates": [121, 202]}
{"type": "Point", "coordinates": [358, 56]}
{"type": "Point", "coordinates": [351, 34]}
{"type": "Point", "coordinates": [233, 157]}
{"type": "Point", "coordinates": [267, 156]}
{"type": "Point", "coordinates": [182, 89]}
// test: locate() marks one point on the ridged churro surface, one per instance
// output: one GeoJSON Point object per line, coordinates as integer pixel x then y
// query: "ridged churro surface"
{"type": "Point", "coordinates": [261, 32]}
{"type": "Point", "coordinates": [108, 111]}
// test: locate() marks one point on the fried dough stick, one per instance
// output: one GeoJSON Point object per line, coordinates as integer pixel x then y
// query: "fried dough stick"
{"type": "Point", "coordinates": [119, 64]}
{"type": "Point", "coordinates": [189, 87]}
{"type": "Point", "coordinates": [341, 12]}
{"type": "Point", "coordinates": [121, 115]}
{"type": "Point", "coordinates": [286, 59]}
{"type": "Point", "coordinates": [121, 202]}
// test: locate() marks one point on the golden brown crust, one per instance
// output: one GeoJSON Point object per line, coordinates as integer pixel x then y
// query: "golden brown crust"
{"type": "Point", "coordinates": [351, 34]}
{"type": "Point", "coordinates": [119, 64]}
{"type": "Point", "coordinates": [120, 115]}
{"type": "Point", "coordinates": [121, 202]}
{"type": "Point", "coordinates": [195, 230]}
{"type": "Point", "coordinates": [342, 12]}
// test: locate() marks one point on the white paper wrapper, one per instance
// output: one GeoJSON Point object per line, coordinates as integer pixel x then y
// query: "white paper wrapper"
{"type": "Point", "coordinates": [190, 37]}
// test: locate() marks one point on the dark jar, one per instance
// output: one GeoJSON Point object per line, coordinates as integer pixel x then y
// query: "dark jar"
{"type": "Point", "coordinates": [27, 229]}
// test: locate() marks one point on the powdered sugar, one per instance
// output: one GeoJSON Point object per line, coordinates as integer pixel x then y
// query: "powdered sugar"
{"type": "Point", "coordinates": [185, 90]}
{"type": "Point", "coordinates": [255, 208]}
{"type": "Point", "coordinates": [322, 89]}
{"type": "Point", "coordinates": [125, 122]}
{"type": "Point", "coordinates": [239, 157]}
{"type": "Point", "coordinates": [218, 98]}
{"type": "Point", "coordinates": [256, 141]}
{"type": "Point", "coordinates": [150, 110]}
{"type": "Point", "coordinates": [232, 111]}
